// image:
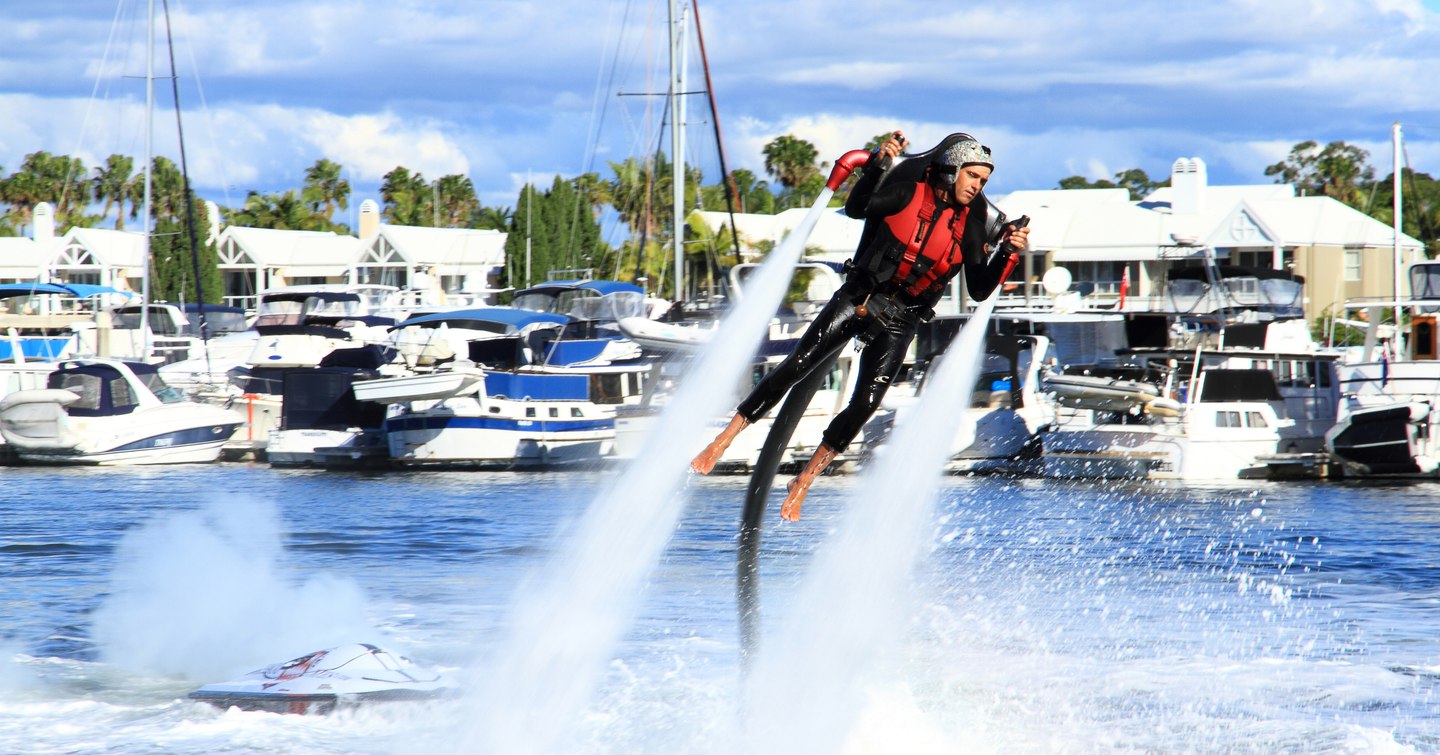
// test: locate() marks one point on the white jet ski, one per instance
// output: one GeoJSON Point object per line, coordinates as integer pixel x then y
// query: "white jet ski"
{"type": "Point", "coordinates": [316, 683]}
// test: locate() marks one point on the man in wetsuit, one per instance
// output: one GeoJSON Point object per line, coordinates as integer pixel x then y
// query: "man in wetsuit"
{"type": "Point", "coordinates": [918, 235]}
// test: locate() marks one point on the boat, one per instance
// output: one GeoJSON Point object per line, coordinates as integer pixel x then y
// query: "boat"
{"type": "Point", "coordinates": [532, 390]}
{"type": "Point", "coordinates": [322, 420]}
{"type": "Point", "coordinates": [1221, 432]}
{"type": "Point", "coordinates": [1388, 426]}
{"type": "Point", "coordinates": [320, 682]}
{"type": "Point", "coordinates": [110, 412]}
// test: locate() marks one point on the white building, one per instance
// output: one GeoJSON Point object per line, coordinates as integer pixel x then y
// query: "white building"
{"type": "Point", "coordinates": [1099, 233]}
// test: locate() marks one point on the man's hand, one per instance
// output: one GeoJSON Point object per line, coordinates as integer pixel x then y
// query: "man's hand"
{"type": "Point", "coordinates": [1019, 238]}
{"type": "Point", "coordinates": [893, 145]}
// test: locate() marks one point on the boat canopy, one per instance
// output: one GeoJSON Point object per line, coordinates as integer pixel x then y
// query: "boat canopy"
{"type": "Point", "coordinates": [601, 287]}
{"type": "Point", "coordinates": [485, 318]}
{"type": "Point", "coordinates": [81, 290]}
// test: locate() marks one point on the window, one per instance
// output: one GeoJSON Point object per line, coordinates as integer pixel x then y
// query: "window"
{"type": "Point", "coordinates": [1227, 419]}
{"type": "Point", "coordinates": [1255, 419]}
{"type": "Point", "coordinates": [529, 411]}
{"type": "Point", "coordinates": [1352, 264]}
{"type": "Point", "coordinates": [554, 412]}
{"type": "Point", "coordinates": [575, 412]}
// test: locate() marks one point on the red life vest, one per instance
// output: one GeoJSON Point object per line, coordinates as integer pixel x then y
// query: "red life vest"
{"type": "Point", "coordinates": [932, 241]}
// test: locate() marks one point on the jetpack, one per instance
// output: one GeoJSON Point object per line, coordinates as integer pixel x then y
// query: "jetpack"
{"type": "Point", "coordinates": [910, 167]}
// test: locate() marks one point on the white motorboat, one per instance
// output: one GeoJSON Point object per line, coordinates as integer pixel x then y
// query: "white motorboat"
{"type": "Point", "coordinates": [535, 392]}
{"type": "Point", "coordinates": [1223, 432]}
{"type": "Point", "coordinates": [105, 411]}
{"type": "Point", "coordinates": [319, 682]}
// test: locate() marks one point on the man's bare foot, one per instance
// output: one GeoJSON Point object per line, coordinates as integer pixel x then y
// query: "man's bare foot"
{"type": "Point", "coordinates": [796, 490]}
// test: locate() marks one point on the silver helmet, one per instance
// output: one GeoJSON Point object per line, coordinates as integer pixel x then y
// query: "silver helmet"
{"type": "Point", "coordinates": [967, 151]}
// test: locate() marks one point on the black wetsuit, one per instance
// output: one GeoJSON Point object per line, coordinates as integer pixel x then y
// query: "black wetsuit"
{"type": "Point", "coordinates": [895, 313]}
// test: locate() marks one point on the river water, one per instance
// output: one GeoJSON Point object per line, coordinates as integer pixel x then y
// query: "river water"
{"type": "Point", "coordinates": [1042, 616]}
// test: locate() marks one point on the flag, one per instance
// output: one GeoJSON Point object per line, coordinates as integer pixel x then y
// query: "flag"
{"type": "Point", "coordinates": [1124, 286]}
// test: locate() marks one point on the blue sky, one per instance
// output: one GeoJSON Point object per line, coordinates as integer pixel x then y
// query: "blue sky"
{"type": "Point", "coordinates": [504, 89]}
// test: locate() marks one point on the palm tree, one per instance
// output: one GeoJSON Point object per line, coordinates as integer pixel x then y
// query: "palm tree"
{"type": "Point", "coordinates": [324, 187]}
{"type": "Point", "coordinates": [790, 160]}
{"type": "Point", "coordinates": [456, 200]}
{"type": "Point", "coordinates": [112, 185]}
{"type": "Point", "coordinates": [407, 198]}
{"type": "Point", "coordinates": [279, 211]}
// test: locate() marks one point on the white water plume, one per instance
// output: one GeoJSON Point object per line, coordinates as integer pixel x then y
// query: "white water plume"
{"type": "Point", "coordinates": [808, 685]}
{"type": "Point", "coordinates": [568, 619]}
{"type": "Point", "coordinates": [201, 594]}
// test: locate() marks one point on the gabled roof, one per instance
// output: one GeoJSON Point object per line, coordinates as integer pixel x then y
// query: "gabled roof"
{"type": "Point", "coordinates": [109, 247]}
{"type": "Point", "coordinates": [269, 247]}
{"type": "Point", "coordinates": [445, 246]}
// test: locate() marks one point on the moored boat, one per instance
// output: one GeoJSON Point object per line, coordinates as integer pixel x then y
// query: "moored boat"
{"type": "Point", "coordinates": [105, 411]}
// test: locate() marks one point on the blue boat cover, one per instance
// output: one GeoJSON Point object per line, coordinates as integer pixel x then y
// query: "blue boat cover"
{"type": "Point", "coordinates": [600, 287]}
{"type": "Point", "coordinates": [82, 290]}
{"type": "Point", "coordinates": [512, 318]}
{"type": "Point", "coordinates": [513, 385]}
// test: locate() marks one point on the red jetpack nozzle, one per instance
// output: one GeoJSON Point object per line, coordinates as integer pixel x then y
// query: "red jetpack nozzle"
{"type": "Point", "coordinates": [846, 165]}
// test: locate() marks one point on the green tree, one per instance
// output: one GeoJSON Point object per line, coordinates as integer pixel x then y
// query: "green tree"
{"type": "Point", "coordinates": [792, 161]}
{"type": "Point", "coordinates": [1134, 180]}
{"type": "Point", "coordinates": [43, 177]}
{"type": "Point", "coordinates": [114, 185]}
{"type": "Point", "coordinates": [286, 212]}
{"type": "Point", "coordinates": [406, 198]}
{"type": "Point", "coordinates": [172, 267]}
{"type": "Point", "coordinates": [560, 230]}
{"type": "Point", "coordinates": [1336, 171]}
{"type": "Point", "coordinates": [325, 189]}
{"type": "Point", "coordinates": [457, 201]}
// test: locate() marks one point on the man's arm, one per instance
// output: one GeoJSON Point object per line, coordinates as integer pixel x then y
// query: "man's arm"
{"type": "Point", "coordinates": [858, 205]}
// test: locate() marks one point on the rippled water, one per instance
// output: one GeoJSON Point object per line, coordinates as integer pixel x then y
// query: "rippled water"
{"type": "Point", "coordinates": [1045, 616]}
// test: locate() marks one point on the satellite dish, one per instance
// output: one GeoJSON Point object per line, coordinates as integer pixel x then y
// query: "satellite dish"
{"type": "Point", "coordinates": [1056, 281]}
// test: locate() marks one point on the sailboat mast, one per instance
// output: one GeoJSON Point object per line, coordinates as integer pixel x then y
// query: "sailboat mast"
{"type": "Point", "coordinates": [1399, 263]}
{"type": "Point", "coordinates": [149, 152]}
{"type": "Point", "coordinates": [677, 140]}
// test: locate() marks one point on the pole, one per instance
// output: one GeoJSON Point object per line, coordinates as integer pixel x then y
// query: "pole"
{"type": "Point", "coordinates": [529, 222]}
{"type": "Point", "coordinates": [149, 159]}
{"type": "Point", "coordinates": [1399, 263]}
{"type": "Point", "coordinates": [677, 142]}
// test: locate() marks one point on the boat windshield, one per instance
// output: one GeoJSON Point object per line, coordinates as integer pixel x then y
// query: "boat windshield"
{"type": "Point", "coordinates": [157, 386]}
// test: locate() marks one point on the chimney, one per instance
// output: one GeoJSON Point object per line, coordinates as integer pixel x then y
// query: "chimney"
{"type": "Point", "coordinates": [369, 218]}
{"type": "Point", "coordinates": [44, 222]}
{"type": "Point", "coordinates": [1187, 186]}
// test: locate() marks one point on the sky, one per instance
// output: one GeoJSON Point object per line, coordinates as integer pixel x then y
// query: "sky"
{"type": "Point", "coordinates": [506, 91]}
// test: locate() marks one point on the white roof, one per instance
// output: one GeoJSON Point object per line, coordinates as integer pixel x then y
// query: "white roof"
{"type": "Point", "coordinates": [452, 247]}
{"type": "Point", "coordinates": [22, 258]}
{"type": "Point", "coordinates": [271, 248]}
{"type": "Point", "coordinates": [109, 247]}
{"type": "Point", "coordinates": [1103, 224]}
{"type": "Point", "coordinates": [834, 234]}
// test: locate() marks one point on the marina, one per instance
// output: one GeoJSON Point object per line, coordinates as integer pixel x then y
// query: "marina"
{"type": "Point", "coordinates": [405, 452]}
{"type": "Point", "coordinates": [1086, 616]}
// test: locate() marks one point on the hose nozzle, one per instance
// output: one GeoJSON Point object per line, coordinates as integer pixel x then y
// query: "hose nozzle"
{"type": "Point", "coordinates": [846, 165]}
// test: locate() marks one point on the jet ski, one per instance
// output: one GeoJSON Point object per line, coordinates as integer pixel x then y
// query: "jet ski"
{"type": "Point", "coordinates": [318, 682]}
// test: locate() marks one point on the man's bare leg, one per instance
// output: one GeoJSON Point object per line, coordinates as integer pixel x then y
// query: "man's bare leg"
{"type": "Point", "coordinates": [705, 460]}
{"type": "Point", "coordinates": [798, 487]}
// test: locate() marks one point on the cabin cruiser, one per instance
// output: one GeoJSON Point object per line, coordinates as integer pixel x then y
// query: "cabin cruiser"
{"type": "Point", "coordinates": [1389, 426]}
{"type": "Point", "coordinates": [534, 389]}
{"type": "Point", "coordinates": [321, 681]}
{"type": "Point", "coordinates": [322, 423]}
{"type": "Point", "coordinates": [105, 411]}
